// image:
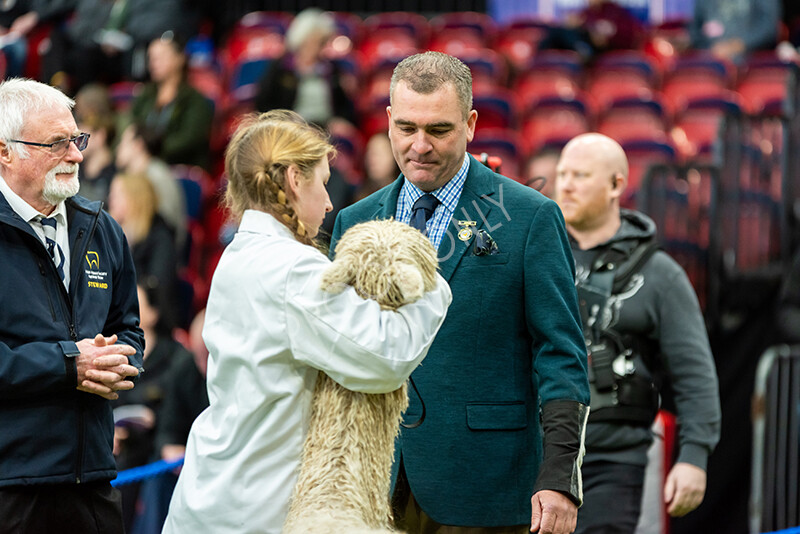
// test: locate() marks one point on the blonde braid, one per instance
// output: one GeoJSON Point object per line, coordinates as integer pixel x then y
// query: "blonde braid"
{"type": "Point", "coordinates": [281, 204]}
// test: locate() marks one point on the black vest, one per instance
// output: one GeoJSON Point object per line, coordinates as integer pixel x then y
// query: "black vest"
{"type": "Point", "coordinates": [623, 373]}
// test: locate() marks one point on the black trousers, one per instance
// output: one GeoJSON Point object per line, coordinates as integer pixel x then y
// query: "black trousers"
{"type": "Point", "coordinates": [92, 508]}
{"type": "Point", "coordinates": [612, 498]}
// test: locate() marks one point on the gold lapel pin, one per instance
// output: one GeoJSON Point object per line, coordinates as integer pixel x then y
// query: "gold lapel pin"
{"type": "Point", "coordinates": [465, 233]}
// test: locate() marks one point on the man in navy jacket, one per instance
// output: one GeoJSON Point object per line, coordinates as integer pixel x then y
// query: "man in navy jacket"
{"type": "Point", "coordinates": [505, 383]}
{"type": "Point", "coordinates": [69, 326]}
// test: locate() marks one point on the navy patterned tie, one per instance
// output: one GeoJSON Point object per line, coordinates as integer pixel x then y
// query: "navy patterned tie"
{"type": "Point", "coordinates": [49, 227]}
{"type": "Point", "coordinates": [422, 211]}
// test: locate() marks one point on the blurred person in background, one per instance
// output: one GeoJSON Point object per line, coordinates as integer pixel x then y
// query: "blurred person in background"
{"type": "Point", "coordinates": [601, 26]}
{"type": "Point", "coordinates": [132, 202]}
{"type": "Point", "coordinates": [95, 116]}
{"type": "Point", "coordinates": [185, 397]}
{"type": "Point", "coordinates": [137, 412]}
{"type": "Point", "coordinates": [540, 171]}
{"type": "Point", "coordinates": [171, 108]}
{"type": "Point", "coordinates": [304, 80]}
{"type": "Point", "coordinates": [105, 40]}
{"type": "Point", "coordinates": [135, 155]}
{"type": "Point", "coordinates": [380, 167]}
{"type": "Point", "coordinates": [730, 29]}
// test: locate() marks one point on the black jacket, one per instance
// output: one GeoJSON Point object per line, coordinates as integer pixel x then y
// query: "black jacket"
{"type": "Point", "coordinates": [51, 432]}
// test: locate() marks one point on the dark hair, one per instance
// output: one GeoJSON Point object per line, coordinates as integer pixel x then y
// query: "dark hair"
{"type": "Point", "coordinates": [152, 139]}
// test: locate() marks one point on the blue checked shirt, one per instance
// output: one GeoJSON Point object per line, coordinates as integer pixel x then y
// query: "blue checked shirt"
{"type": "Point", "coordinates": [448, 196]}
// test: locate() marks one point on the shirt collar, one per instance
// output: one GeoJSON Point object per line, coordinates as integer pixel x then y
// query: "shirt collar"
{"type": "Point", "coordinates": [25, 210]}
{"type": "Point", "coordinates": [448, 194]}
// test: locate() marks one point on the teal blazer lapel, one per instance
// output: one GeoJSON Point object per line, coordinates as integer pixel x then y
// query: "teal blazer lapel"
{"type": "Point", "coordinates": [387, 207]}
{"type": "Point", "coordinates": [473, 206]}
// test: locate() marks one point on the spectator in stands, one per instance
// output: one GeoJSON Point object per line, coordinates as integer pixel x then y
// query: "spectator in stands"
{"type": "Point", "coordinates": [136, 155]}
{"type": "Point", "coordinates": [540, 172]}
{"type": "Point", "coordinates": [270, 330]}
{"type": "Point", "coordinates": [138, 411]}
{"type": "Point", "coordinates": [185, 397]}
{"type": "Point", "coordinates": [644, 328]}
{"type": "Point", "coordinates": [380, 167]}
{"type": "Point", "coordinates": [105, 40]}
{"type": "Point", "coordinates": [132, 202]}
{"type": "Point", "coordinates": [601, 26]}
{"type": "Point", "coordinates": [730, 29]}
{"type": "Point", "coordinates": [340, 191]}
{"type": "Point", "coordinates": [171, 109]}
{"type": "Point", "coordinates": [68, 294]}
{"type": "Point", "coordinates": [95, 116]}
{"type": "Point", "coordinates": [303, 79]}
{"type": "Point", "coordinates": [16, 20]}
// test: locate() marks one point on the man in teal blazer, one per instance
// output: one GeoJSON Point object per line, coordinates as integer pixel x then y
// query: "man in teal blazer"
{"type": "Point", "coordinates": [509, 364]}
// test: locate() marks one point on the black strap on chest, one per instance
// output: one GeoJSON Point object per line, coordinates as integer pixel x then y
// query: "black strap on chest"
{"type": "Point", "coordinates": [609, 275]}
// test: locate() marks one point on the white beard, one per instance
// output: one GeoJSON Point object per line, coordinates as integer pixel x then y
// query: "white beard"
{"type": "Point", "coordinates": [56, 190]}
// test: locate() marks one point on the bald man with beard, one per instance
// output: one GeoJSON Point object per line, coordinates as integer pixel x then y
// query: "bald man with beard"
{"type": "Point", "coordinates": [644, 328]}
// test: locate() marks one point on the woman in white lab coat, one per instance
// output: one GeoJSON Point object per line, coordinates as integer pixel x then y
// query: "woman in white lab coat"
{"type": "Point", "coordinates": [270, 330]}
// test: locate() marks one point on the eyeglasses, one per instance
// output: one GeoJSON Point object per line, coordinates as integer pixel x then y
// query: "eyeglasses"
{"type": "Point", "coordinates": [59, 147]}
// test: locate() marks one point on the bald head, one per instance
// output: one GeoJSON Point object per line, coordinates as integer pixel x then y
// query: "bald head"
{"type": "Point", "coordinates": [602, 150]}
{"type": "Point", "coordinates": [590, 177]}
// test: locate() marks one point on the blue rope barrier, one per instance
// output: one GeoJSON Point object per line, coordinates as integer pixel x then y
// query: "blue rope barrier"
{"type": "Point", "coordinates": [793, 530]}
{"type": "Point", "coordinates": [135, 474]}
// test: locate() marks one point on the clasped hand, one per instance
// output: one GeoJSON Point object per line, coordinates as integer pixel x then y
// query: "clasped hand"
{"type": "Point", "coordinates": [103, 367]}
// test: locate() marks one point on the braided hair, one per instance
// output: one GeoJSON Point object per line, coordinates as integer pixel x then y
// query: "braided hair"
{"type": "Point", "coordinates": [257, 159]}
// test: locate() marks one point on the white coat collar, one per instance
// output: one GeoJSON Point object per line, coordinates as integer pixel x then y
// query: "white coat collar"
{"type": "Point", "coordinates": [260, 222]}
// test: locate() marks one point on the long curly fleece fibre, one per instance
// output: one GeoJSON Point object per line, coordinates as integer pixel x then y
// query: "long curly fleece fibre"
{"type": "Point", "coordinates": [345, 473]}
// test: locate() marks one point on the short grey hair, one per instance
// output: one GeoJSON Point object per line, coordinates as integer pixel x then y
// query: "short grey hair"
{"type": "Point", "coordinates": [19, 99]}
{"type": "Point", "coordinates": [305, 24]}
{"type": "Point", "coordinates": [425, 73]}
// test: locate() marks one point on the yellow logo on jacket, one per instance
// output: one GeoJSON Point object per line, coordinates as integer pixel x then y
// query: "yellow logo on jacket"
{"type": "Point", "coordinates": [97, 278]}
{"type": "Point", "coordinates": [93, 259]}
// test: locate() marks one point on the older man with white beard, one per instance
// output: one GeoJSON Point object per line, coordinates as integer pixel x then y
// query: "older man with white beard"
{"type": "Point", "coordinates": [69, 325]}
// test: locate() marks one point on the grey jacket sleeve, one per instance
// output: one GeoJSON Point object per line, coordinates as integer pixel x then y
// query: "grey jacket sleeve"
{"type": "Point", "coordinates": [688, 362]}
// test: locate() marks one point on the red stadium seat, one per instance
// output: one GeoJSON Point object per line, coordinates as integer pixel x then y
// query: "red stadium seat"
{"type": "Point", "coordinates": [479, 24]}
{"type": "Point", "coordinates": [538, 83]}
{"type": "Point", "coordinates": [697, 125]}
{"type": "Point", "coordinates": [634, 118]}
{"type": "Point", "coordinates": [496, 109]}
{"type": "Point", "coordinates": [695, 76]}
{"type": "Point", "coordinates": [623, 74]}
{"type": "Point", "coordinates": [413, 24]}
{"type": "Point", "coordinates": [503, 143]}
{"type": "Point", "coordinates": [764, 84]}
{"type": "Point", "coordinates": [390, 43]}
{"type": "Point", "coordinates": [489, 70]}
{"type": "Point", "coordinates": [553, 121]}
{"type": "Point", "coordinates": [643, 153]}
{"type": "Point", "coordinates": [519, 41]}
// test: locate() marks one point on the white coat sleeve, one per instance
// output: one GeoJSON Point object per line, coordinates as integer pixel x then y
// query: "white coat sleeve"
{"type": "Point", "coordinates": [351, 339]}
